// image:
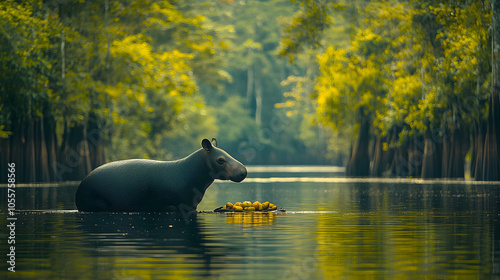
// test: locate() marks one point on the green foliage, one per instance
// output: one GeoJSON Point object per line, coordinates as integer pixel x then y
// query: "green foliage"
{"type": "Point", "coordinates": [25, 66]}
{"type": "Point", "coordinates": [234, 120]}
{"type": "Point", "coordinates": [307, 26]}
{"type": "Point", "coordinates": [136, 70]}
{"type": "Point", "coordinates": [135, 65]}
{"type": "Point", "coordinates": [245, 104]}
{"type": "Point", "coordinates": [407, 62]}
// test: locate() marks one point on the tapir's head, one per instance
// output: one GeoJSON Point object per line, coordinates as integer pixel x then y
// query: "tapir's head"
{"type": "Point", "coordinates": [220, 164]}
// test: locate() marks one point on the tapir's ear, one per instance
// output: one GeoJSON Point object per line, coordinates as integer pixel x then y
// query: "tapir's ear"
{"type": "Point", "coordinates": [214, 142]}
{"type": "Point", "coordinates": [206, 145]}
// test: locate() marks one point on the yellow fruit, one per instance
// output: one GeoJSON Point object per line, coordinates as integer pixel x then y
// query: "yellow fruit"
{"type": "Point", "coordinates": [260, 207]}
{"type": "Point", "coordinates": [265, 205]}
{"type": "Point", "coordinates": [238, 208]}
{"type": "Point", "coordinates": [249, 208]}
{"type": "Point", "coordinates": [274, 207]}
{"type": "Point", "coordinates": [256, 204]}
{"type": "Point", "coordinates": [237, 204]}
{"type": "Point", "coordinates": [229, 205]}
{"type": "Point", "coordinates": [246, 204]}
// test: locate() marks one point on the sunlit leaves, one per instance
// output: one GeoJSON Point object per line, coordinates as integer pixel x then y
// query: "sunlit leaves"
{"type": "Point", "coordinates": [415, 64]}
{"type": "Point", "coordinates": [306, 26]}
{"type": "Point", "coordinates": [349, 80]}
{"type": "Point", "coordinates": [130, 63]}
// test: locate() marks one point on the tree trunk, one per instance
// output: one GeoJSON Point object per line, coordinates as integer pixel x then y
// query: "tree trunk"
{"type": "Point", "coordinates": [76, 151]}
{"type": "Point", "coordinates": [401, 162]}
{"type": "Point", "coordinates": [16, 149]}
{"type": "Point", "coordinates": [51, 140]}
{"type": "Point", "coordinates": [490, 156]}
{"type": "Point", "coordinates": [415, 157]}
{"type": "Point", "coordinates": [74, 161]}
{"type": "Point", "coordinates": [431, 165]}
{"type": "Point", "coordinates": [95, 142]}
{"type": "Point", "coordinates": [477, 172]}
{"type": "Point", "coordinates": [445, 156]}
{"type": "Point", "coordinates": [359, 164]}
{"type": "Point", "coordinates": [29, 156]}
{"type": "Point", "coordinates": [377, 165]}
{"type": "Point", "coordinates": [4, 158]}
{"type": "Point", "coordinates": [456, 156]}
{"type": "Point", "coordinates": [258, 101]}
{"type": "Point", "coordinates": [249, 85]}
{"type": "Point", "coordinates": [41, 156]}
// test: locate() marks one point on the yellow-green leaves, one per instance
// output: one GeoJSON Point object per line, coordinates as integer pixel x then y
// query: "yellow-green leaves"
{"type": "Point", "coordinates": [412, 64]}
{"type": "Point", "coordinates": [348, 81]}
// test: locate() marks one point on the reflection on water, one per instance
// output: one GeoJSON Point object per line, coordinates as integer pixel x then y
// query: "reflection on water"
{"type": "Point", "coordinates": [345, 229]}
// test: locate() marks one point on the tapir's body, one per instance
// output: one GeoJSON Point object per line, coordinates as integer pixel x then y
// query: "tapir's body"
{"type": "Point", "coordinates": [139, 185]}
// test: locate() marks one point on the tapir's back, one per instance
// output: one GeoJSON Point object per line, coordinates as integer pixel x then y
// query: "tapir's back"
{"type": "Point", "coordinates": [126, 182]}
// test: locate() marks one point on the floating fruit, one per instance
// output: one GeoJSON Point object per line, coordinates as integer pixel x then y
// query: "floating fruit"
{"type": "Point", "coordinates": [249, 206]}
{"type": "Point", "coordinates": [246, 204]}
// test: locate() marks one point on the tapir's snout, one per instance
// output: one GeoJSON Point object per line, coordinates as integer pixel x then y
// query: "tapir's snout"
{"type": "Point", "coordinates": [239, 175]}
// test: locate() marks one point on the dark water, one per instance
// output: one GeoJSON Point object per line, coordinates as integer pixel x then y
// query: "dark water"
{"type": "Point", "coordinates": [334, 229]}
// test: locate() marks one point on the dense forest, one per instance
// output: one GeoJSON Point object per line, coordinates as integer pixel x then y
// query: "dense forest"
{"type": "Point", "coordinates": [414, 88]}
{"type": "Point", "coordinates": [87, 82]}
{"type": "Point", "coordinates": [397, 88]}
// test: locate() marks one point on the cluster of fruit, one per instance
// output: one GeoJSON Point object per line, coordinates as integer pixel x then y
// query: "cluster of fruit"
{"type": "Point", "coordinates": [249, 206]}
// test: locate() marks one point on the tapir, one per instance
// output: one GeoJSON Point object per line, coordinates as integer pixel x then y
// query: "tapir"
{"type": "Point", "coordinates": [141, 185]}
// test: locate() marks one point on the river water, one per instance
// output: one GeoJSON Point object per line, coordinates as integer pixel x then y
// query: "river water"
{"type": "Point", "coordinates": [334, 228]}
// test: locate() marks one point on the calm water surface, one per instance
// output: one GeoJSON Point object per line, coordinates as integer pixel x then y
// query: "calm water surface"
{"type": "Point", "coordinates": [334, 228]}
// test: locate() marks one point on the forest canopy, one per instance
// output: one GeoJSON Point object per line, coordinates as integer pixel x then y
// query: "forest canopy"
{"type": "Point", "coordinates": [87, 82]}
{"type": "Point", "coordinates": [412, 85]}
{"type": "Point", "coordinates": [387, 88]}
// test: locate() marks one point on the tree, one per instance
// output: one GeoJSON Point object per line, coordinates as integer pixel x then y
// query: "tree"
{"type": "Point", "coordinates": [84, 80]}
{"type": "Point", "coordinates": [432, 83]}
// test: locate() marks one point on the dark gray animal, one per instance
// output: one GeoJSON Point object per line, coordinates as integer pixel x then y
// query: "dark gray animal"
{"type": "Point", "coordinates": [140, 185]}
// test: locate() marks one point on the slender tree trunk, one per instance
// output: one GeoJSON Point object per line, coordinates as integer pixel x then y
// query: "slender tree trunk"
{"type": "Point", "coordinates": [479, 152]}
{"type": "Point", "coordinates": [456, 157]}
{"type": "Point", "coordinates": [83, 147]}
{"type": "Point", "coordinates": [394, 156]}
{"type": "Point", "coordinates": [250, 82]}
{"type": "Point", "coordinates": [491, 169]}
{"type": "Point", "coordinates": [16, 148]}
{"type": "Point", "coordinates": [377, 163]}
{"type": "Point", "coordinates": [51, 140]}
{"type": "Point", "coordinates": [403, 168]}
{"type": "Point", "coordinates": [29, 156]}
{"type": "Point", "coordinates": [431, 165]}
{"type": "Point", "coordinates": [4, 158]}
{"type": "Point", "coordinates": [41, 156]}
{"type": "Point", "coordinates": [258, 101]}
{"type": "Point", "coordinates": [359, 164]}
{"type": "Point", "coordinates": [95, 142]}
{"type": "Point", "coordinates": [63, 56]}
{"type": "Point", "coordinates": [415, 157]}
{"type": "Point", "coordinates": [445, 156]}
{"type": "Point", "coordinates": [490, 156]}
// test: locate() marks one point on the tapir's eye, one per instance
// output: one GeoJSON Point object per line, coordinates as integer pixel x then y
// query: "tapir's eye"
{"type": "Point", "coordinates": [221, 160]}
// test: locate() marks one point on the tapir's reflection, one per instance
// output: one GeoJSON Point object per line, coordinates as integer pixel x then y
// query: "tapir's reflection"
{"type": "Point", "coordinates": [142, 238]}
